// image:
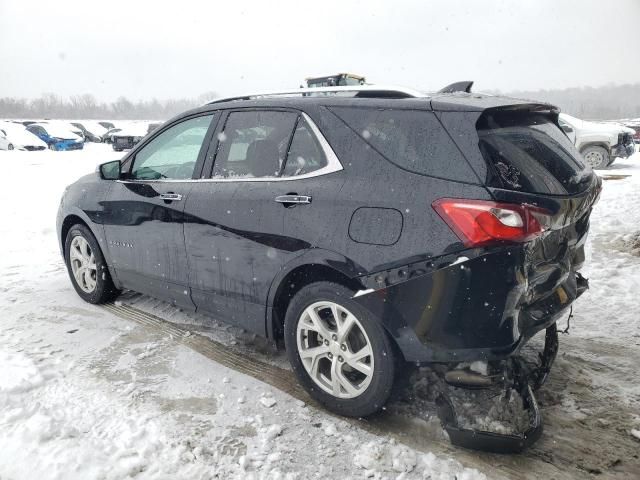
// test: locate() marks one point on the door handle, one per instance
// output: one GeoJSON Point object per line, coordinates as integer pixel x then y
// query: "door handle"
{"type": "Point", "coordinates": [171, 197]}
{"type": "Point", "coordinates": [293, 199]}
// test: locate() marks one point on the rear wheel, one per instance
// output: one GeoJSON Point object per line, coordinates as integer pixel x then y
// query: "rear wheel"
{"type": "Point", "coordinates": [86, 266]}
{"type": "Point", "coordinates": [338, 350]}
{"type": "Point", "coordinates": [52, 147]}
{"type": "Point", "coordinates": [596, 157]}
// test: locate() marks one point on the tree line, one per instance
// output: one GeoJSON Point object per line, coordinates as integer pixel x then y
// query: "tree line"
{"type": "Point", "coordinates": [50, 105]}
{"type": "Point", "coordinates": [610, 102]}
{"type": "Point", "coordinates": [600, 103]}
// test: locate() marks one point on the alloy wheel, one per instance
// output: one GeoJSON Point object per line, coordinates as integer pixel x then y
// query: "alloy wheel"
{"type": "Point", "coordinates": [335, 349]}
{"type": "Point", "coordinates": [594, 159]}
{"type": "Point", "coordinates": [83, 264]}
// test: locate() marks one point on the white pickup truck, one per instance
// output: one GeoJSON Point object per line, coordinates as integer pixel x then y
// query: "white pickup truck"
{"type": "Point", "coordinates": [599, 143]}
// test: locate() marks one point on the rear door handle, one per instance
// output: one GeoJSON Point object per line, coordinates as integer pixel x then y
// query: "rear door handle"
{"type": "Point", "coordinates": [170, 197]}
{"type": "Point", "coordinates": [293, 199]}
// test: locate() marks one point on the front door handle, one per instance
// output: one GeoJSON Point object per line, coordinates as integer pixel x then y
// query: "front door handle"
{"type": "Point", "coordinates": [293, 199]}
{"type": "Point", "coordinates": [171, 197]}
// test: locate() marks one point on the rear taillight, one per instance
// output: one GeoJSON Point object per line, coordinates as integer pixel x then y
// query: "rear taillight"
{"type": "Point", "coordinates": [480, 223]}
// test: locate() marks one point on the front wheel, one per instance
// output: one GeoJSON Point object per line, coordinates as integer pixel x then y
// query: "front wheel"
{"type": "Point", "coordinates": [339, 351]}
{"type": "Point", "coordinates": [86, 266]}
{"type": "Point", "coordinates": [52, 147]}
{"type": "Point", "coordinates": [10, 146]}
{"type": "Point", "coordinates": [596, 157]}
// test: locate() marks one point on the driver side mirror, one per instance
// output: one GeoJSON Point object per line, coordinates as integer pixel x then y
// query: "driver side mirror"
{"type": "Point", "coordinates": [110, 170]}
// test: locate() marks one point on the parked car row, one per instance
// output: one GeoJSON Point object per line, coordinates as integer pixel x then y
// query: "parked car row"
{"type": "Point", "coordinates": [70, 135]}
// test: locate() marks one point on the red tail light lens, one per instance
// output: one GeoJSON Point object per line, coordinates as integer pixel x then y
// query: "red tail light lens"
{"type": "Point", "coordinates": [479, 223]}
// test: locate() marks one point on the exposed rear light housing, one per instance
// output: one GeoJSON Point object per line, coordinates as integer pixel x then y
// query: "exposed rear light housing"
{"type": "Point", "coordinates": [480, 223]}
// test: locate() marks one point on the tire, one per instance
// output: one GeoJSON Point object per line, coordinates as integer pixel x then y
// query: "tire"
{"type": "Point", "coordinates": [99, 277]}
{"type": "Point", "coordinates": [10, 146]}
{"type": "Point", "coordinates": [596, 157]}
{"type": "Point", "coordinates": [52, 147]}
{"type": "Point", "coordinates": [366, 393]}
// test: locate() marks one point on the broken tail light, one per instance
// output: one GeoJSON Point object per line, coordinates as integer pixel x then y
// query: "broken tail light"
{"type": "Point", "coordinates": [480, 223]}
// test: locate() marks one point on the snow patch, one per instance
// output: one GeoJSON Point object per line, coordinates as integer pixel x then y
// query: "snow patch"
{"type": "Point", "coordinates": [381, 457]}
{"type": "Point", "coordinates": [18, 373]}
{"type": "Point", "coordinates": [268, 401]}
{"type": "Point", "coordinates": [487, 411]}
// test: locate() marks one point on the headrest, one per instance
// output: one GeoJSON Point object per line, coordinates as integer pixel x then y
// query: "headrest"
{"type": "Point", "coordinates": [263, 158]}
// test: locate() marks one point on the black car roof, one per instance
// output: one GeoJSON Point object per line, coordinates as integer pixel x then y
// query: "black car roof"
{"type": "Point", "coordinates": [477, 102]}
{"type": "Point", "coordinates": [458, 101]}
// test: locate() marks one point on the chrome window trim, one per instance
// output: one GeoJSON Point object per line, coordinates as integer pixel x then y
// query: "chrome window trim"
{"type": "Point", "coordinates": [333, 165]}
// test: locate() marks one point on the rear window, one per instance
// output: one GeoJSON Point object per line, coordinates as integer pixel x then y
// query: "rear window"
{"type": "Point", "coordinates": [412, 139]}
{"type": "Point", "coordinates": [528, 152]}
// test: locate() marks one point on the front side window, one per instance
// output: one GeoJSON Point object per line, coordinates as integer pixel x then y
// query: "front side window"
{"type": "Point", "coordinates": [254, 144]}
{"type": "Point", "coordinates": [172, 154]}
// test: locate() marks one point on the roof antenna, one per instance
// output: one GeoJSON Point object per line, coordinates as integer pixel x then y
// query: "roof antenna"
{"type": "Point", "coordinates": [464, 86]}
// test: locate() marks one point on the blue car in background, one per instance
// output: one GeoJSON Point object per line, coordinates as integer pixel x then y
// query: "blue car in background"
{"type": "Point", "coordinates": [57, 137]}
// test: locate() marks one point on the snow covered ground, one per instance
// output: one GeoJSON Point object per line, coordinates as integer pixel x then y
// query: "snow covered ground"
{"type": "Point", "coordinates": [93, 392]}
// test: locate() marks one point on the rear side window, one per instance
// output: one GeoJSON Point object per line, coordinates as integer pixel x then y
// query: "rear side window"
{"type": "Point", "coordinates": [411, 139]}
{"type": "Point", "coordinates": [305, 154]}
{"type": "Point", "coordinates": [528, 152]}
{"type": "Point", "coordinates": [253, 144]}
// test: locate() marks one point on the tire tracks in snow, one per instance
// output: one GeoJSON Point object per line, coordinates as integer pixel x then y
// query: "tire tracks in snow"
{"type": "Point", "coordinates": [549, 458]}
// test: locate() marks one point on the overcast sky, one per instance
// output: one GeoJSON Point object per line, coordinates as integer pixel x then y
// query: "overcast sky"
{"type": "Point", "coordinates": [184, 48]}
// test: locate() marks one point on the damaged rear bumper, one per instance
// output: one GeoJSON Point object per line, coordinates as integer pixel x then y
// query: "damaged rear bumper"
{"type": "Point", "coordinates": [519, 377]}
{"type": "Point", "coordinates": [483, 305]}
{"type": "Point", "coordinates": [491, 441]}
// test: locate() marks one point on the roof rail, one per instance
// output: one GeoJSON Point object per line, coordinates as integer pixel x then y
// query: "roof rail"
{"type": "Point", "coordinates": [369, 91]}
{"type": "Point", "coordinates": [464, 86]}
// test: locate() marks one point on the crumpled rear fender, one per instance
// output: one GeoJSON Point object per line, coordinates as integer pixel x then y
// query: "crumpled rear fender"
{"type": "Point", "coordinates": [464, 307]}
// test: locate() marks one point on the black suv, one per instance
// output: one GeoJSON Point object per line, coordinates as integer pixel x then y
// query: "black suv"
{"type": "Point", "coordinates": [362, 228]}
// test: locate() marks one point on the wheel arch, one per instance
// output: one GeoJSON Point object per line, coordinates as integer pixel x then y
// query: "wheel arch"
{"type": "Point", "coordinates": [314, 266]}
{"type": "Point", "coordinates": [76, 216]}
{"type": "Point", "coordinates": [69, 221]}
{"type": "Point", "coordinates": [604, 145]}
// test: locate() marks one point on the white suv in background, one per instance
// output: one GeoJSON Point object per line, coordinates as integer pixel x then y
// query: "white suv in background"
{"type": "Point", "coordinates": [599, 143]}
